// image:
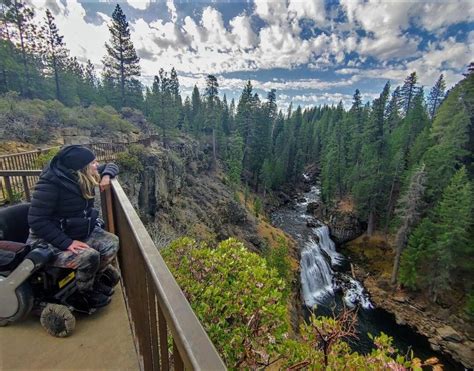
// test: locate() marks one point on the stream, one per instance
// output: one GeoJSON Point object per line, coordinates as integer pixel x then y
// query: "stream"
{"type": "Point", "coordinates": [326, 282]}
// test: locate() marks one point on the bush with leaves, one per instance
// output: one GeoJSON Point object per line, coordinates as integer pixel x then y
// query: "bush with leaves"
{"type": "Point", "coordinates": [45, 157]}
{"type": "Point", "coordinates": [132, 159]}
{"type": "Point", "coordinates": [237, 298]}
{"type": "Point", "coordinates": [239, 301]}
{"type": "Point", "coordinates": [277, 258]}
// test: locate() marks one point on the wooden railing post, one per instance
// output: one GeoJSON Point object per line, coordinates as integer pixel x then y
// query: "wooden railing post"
{"type": "Point", "coordinates": [107, 208]}
{"type": "Point", "coordinates": [8, 187]}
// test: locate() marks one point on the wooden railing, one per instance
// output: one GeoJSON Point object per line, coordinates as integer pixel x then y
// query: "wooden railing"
{"type": "Point", "coordinates": [157, 308]}
{"type": "Point", "coordinates": [15, 186]}
{"type": "Point", "coordinates": [156, 304]}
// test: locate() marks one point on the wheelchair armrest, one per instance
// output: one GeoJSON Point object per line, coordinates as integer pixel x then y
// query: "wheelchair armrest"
{"type": "Point", "coordinates": [40, 256]}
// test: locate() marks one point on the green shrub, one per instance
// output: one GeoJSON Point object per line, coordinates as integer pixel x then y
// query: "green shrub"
{"type": "Point", "coordinates": [237, 298]}
{"type": "Point", "coordinates": [470, 304]}
{"type": "Point", "coordinates": [277, 258]}
{"type": "Point", "coordinates": [129, 162]}
{"type": "Point", "coordinates": [239, 301]}
{"type": "Point", "coordinates": [45, 157]}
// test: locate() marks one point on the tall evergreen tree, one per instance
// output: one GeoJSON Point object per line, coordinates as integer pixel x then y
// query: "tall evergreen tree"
{"type": "Point", "coordinates": [121, 64]}
{"type": "Point", "coordinates": [211, 92]}
{"type": "Point", "coordinates": [54, 50]}
{"type": "Point", "coordinates": [23, 34]}
{"type": "Point", "coordinates": [436, 96]}
{"type": "Point", "coordinates": [409, 211]}
{"type": "Point", "coordinates": [408, 92]}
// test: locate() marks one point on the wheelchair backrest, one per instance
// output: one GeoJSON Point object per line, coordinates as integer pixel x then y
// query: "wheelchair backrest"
{"type": "Point", "coordinates": [14, 223]}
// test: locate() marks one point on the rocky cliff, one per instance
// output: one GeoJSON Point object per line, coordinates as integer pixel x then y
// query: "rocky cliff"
{"type": "Point", "coordinates": [177, 194]}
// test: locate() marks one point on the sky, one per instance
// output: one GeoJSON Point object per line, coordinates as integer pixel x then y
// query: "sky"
{"type": "Point", "coordinates": [312, 52]}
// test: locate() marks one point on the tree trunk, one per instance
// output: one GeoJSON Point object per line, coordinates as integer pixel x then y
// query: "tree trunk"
{"type": "Point", "coordinates": [391, 199]}
{"type": "Point", "coordinates": [214, 152]}
{"type": "Point", "coordinates": [56, 78]}
{"type": "Point", "coordinates": [371, 223]}
{"type": "Point", "coordinates": [396, 265]}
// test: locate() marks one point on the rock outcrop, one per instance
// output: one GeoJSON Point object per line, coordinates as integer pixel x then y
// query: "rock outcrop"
{"type": "Point", "coordinates": [177, 194]}
{"type": "Point", "coordinates": [446, 331]}
{"type": "Point", "coordinates": [343, 226]}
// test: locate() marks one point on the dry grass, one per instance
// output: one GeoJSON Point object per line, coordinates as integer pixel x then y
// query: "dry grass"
{"type": "Point", "coordinates": [15, 147]}
{"type": "Point", "coordinates": [346, 205]}
{"type": "Point", "coordinates": [372, 252]}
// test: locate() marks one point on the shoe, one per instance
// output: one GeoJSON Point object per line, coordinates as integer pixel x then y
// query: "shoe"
{"type": "Point", "coordinates": [96, 299]}
{"type": "Point", "coordinates": [103, 288]}
{"type": "Point", "coordinates": [110, 276]}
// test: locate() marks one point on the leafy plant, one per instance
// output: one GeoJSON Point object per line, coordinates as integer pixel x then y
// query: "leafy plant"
{"type": "Point", "coordinates": [132, 160]}
{"type": "Point", "coordinates": [45, 157]}
{"type": "Point", "coordinates": [236, 296]}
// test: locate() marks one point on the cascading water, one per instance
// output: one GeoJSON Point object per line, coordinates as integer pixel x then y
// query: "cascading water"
{"type": "Point", "coordinates": [316, 274]}
{"type": "Point", "coordinates": [323, 279]}
{"type": "Point", "coordinates": [318, 257]}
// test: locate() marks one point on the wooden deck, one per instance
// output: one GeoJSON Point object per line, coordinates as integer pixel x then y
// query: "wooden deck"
{"type": "Point", "coordinates": [102, 341]}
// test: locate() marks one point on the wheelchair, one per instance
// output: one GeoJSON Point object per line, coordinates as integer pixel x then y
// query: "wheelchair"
{"type": "Point", "coordinates": [29, 285]}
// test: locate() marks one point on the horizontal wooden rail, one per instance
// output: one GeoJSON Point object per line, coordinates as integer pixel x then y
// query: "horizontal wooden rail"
{"type": "Point", "coordinates": [155, 302]}
{"type": "Point", "coordinates": [17, 185]}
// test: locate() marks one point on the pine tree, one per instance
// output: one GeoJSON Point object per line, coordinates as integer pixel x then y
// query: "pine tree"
{"type": "Point", "coordinates": [451, 137]}
{"type": "Point", "coordinates": [244, 118]}
{"type": "Point", "coordinates": [436, 96]}
{"type": "Point", "coordinates": [409, 211]}
{"type": "Point", "coordinates": [121, 63]}
{"type": "Point", "coordinates": [393, 112]}
{"type": "Point", "coordinates": [369, 189]}
{"type": "Point", "coordinates": [212, 113]}
{"type": "Point", "coordinates": [408, 92]}
{"type": "Point", "coordinates": [196, 111]}
{"type": "Point", "coordinates": [441, 249]}
{"type": "Point", "coordinates": [23, 34]}
{"type": "Point", "coordinates": [453, 245]}
{"type": "Point", "coordinates": [235, 155]}
{"type": "Point", "coordinates": [55, 51]}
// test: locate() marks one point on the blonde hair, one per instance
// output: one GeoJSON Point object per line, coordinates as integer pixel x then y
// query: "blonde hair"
{"type": "Point", "coordinates": [88, 180]}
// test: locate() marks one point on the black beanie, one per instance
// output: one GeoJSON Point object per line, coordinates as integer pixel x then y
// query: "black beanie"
{"type": "Point", "coordinates": [75, 157]}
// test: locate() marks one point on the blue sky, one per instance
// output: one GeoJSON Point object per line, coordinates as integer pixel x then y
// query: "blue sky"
{"type": "Point", "coordinates": [311, 52]}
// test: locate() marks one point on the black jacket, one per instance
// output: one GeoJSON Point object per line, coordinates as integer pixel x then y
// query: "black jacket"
{"type": "Point", "coordinates": [59, 213]}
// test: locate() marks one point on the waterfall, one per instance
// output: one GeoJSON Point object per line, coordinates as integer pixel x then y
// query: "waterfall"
{"type": "Point", "coordinates": [327, 244]}
{"type": "Point", "coordinates": [316, 274]}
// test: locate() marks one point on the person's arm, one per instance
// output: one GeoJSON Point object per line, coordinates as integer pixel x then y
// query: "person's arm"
{"type": "Point", "coordinates": [106, 172]}
{"type": "Point", "coordinates": [40, 215]}
{"type": "Point", "coordinates": [109, 169]}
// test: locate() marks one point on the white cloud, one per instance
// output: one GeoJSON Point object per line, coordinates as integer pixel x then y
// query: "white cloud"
{"type": "Point", "coordinates": [142, 5]}
{"type": "Point", "coordinates": [310, 9]}
{"type": "Point", "coordinates": [242, 31]}
{"type": "Point", "coordinates": [84, 40]}
{"type": "Point", "coordinates": [172, 10]}
{"type": "Point", "coordinates": [204, 45]}
{"type": "Point", "coordinates": [435, 16]}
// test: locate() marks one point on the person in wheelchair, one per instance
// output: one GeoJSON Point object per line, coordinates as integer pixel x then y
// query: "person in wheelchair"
{"type": "Point", "coordinates": [62, 218]}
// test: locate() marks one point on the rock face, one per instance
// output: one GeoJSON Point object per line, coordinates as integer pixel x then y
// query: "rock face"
{"type": "Point", "coordinates": [343, 226]}
{"type": "Point", "coordinates": [177, 194]}
{"type": "Point", "coordinates": [445, 331]}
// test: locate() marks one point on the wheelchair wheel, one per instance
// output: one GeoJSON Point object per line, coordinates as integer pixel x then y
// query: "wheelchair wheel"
{"type": "Point", "coordinates": [57, 320]}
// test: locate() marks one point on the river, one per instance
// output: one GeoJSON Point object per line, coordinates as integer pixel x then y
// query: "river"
{"type": "Point", "coordinates": [326, 282]}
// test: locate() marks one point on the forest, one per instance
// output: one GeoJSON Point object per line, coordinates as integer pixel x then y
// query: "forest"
{"type": "Point", "coordinates": [404, 160]}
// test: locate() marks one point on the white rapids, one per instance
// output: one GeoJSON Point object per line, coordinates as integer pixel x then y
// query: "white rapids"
{"type": "Point", "coordinates": [318, 257]}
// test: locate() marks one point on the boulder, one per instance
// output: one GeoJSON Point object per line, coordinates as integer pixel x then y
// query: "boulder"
{"type": "Point", "coordinates": [313, 207]}
{"type": "Point", "coordinates": [449, 334]}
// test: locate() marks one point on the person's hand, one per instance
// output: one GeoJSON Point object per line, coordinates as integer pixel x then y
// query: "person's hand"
{"type": "Point", "coordinates": [104, 183]}
{"type": "Point", "coordinates": [76, 246]}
